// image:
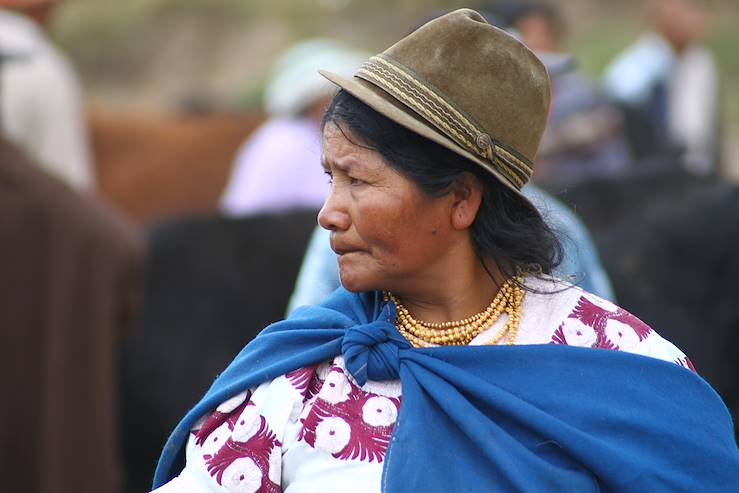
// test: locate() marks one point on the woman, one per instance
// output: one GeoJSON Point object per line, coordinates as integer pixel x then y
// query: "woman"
{"type": "Point", "coordinates": [428, 147]}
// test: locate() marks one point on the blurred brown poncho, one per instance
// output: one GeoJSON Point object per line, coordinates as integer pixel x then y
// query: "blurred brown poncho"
{"type": "Point", "coordinates": [68, 269]}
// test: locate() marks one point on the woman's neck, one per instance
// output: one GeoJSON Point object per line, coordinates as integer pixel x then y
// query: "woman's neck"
{"type": "Point", "coordinates": [457, 292]}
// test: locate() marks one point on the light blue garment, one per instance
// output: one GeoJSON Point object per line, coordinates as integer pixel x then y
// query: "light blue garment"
{"type": "Point", "coordinates": [631, 78]}
{"type": "Point", "coordinates": [581, 263]}
{"type": "Point", "coordinates": [319, 275]}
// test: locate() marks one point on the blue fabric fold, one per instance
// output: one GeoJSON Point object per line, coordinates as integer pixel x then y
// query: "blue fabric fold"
{"type": "Point", "coordinates": [372, 351]}
{"type": "Point", "coordinates": [505, 419]}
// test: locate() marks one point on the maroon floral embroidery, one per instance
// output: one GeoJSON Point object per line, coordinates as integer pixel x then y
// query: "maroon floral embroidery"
{"type": "Point", "coordinates": [216, 419]}
{"type": "Point", "coordinates": [349, 423]}
{"type": "Point", "coordinates": [306, 381]}
{"type": "Point", "coordinates": [559, 336]}
{"type": "Point", "coordinates": [597, 318]}
{"type": "Point", "coordinates": [257, 449]}
{"type": "Point", "coordinates": [686, 363]}
{"type": "Point", "coordinates": [240, 451]}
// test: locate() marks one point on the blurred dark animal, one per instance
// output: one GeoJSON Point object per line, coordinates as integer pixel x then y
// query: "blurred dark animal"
{"type": "Point", "coordinates": [670, 242]}
{"type": "Point", "coordinates": [212, 284]}
{"type": "Point", "coordinates": [154, 167]}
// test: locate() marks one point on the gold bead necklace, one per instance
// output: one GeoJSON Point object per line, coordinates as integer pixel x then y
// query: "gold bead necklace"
{"type": "Point", "coordinates": [509, 300]}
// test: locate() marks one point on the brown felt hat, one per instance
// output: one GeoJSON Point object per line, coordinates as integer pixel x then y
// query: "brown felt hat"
{"type": "Point", "coordinates": [465, 85]}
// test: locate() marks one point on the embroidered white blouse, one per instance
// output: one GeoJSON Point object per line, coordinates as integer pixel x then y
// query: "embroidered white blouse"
{"type": "Point", "coordinates": [315, 429]}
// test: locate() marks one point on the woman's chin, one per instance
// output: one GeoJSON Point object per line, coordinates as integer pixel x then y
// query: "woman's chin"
{"type": "Point", "coordinates": [354, 289]}
{"type": "Point", "coordinates": [355, 282]}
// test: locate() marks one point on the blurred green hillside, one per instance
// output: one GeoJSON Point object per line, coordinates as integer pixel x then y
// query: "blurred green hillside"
{"type": "Point", "coordinates": [156, 54]}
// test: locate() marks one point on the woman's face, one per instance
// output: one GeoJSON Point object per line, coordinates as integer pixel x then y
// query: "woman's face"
{"type": "Point", "coordinates": [388, 234]}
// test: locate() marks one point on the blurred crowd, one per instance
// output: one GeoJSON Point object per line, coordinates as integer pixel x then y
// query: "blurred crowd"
{"type": "Point", "coordinates": [110, 328]}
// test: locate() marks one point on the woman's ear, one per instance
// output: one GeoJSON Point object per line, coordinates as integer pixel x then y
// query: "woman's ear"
{"type": "Point", "coordinates": [467, 193]}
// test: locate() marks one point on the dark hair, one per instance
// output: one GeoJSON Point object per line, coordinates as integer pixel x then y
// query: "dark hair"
{"type": "Point", "coordinates": [507, 228]}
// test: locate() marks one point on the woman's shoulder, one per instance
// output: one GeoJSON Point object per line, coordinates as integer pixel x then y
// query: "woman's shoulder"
{"type": "Point", "coordinates": [319, 411]}
{"type": "Point", "coordinates": [557, 312]}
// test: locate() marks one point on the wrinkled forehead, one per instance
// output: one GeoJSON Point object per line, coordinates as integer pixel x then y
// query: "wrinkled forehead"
{"type": "Point", "coordinates": [342, 150]}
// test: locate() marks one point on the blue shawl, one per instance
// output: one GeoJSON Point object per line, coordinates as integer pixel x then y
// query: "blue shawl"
{"type": "Point", "coordinates": [538, 418]}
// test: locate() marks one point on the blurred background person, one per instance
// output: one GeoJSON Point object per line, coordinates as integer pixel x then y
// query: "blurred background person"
{"type": "Point", "coordinates": [40, 96]}
{"type": "Point", "coordinates": [70, 273]}
{"type": "Point", "coordinates": [584, 136]}
{"type": "Point", "coordinates": [669, 84]}
{"type": "Point", "coordinates": [70, 268]}
{"type": "Point", "coordinates": [278, 168]}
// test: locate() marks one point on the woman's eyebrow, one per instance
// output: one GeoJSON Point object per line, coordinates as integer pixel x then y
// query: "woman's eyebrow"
{"type": "Point", "coordinates": [344, 165]}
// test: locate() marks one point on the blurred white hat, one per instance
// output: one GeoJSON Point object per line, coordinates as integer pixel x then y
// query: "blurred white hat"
{"type": "Point", "coordinates": [295, 83]}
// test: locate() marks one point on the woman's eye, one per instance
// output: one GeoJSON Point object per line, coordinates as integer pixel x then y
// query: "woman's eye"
{"type": "Point", "coordinates": [355, 181]}
{"type": "Point", "coordinates": [330, 176]}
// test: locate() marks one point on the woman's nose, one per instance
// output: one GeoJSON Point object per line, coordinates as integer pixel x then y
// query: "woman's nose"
{"type": "Point", "coordinates": [333, 216]}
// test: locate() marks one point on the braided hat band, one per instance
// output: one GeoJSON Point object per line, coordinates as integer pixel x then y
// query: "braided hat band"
{"type": "Point", "coordinates": [438, 110]}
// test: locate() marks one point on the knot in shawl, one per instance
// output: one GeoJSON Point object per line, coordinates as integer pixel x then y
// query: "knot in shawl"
{"type": "Point", "coordinates": [372, 351]}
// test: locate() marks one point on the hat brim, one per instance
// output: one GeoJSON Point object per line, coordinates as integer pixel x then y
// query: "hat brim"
{"type": "Point", "coordinates": [385, 104]}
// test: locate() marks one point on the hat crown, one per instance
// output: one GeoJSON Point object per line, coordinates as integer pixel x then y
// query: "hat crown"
{"type": "Point", "coordinates": [484, 72]}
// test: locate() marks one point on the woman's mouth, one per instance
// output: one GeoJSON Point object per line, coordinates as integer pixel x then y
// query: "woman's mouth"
{"type": "Point", "coordinates": [341, 249]}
